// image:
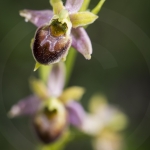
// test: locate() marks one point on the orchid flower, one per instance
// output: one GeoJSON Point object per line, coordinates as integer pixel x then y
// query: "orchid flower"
{"type": "Point", "coordinates": [61, 28]}
{"type": "Point", "coordinates": [48, 105]}
{"type": "Point", "coordinates": [104, 123]}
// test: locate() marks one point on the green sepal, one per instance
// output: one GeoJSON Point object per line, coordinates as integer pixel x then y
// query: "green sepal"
{"type": "Point", "coordinates": [82, 18]}
{"type": "Point", "coordinates": [72, 93]}
{"type": "Point", "coordinates": [37, 65]}
{"type": "Point", "coordinates": [39, 88]}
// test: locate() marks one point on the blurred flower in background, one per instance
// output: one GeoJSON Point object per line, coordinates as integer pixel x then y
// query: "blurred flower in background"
{"type": "Point", "coordinates": [104, 123]}
{"type": "Point", "coordinates": [108, 123]}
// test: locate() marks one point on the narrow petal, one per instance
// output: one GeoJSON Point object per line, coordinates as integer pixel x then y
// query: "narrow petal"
{"type": "Point", "coordinates": [57, 6]}
{"type": "Point", "coordinates": [74, 92]}
{"type": "Point", "coordinates": [37, 17]}
{"type": "Point", "coordinates": [82, 18]}
{"type": "Point", "coordinates": [76, 113]}
{"type": "Point", "coordinates": [98, 7]}
{"type": "Point", "coordinates": [27, 106]}
{"type": "Point", "coordinates": [73, 5]}
{"type": "Point", "coordinates": [81, 42]}
{"type": "Point", "coordinates": [56, 79]}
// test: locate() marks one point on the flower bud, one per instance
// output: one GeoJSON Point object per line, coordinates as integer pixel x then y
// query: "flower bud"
{"type": "Point", "coordinates": [51, 123]}
{"type": "Point", "coordinates": [51, 43]}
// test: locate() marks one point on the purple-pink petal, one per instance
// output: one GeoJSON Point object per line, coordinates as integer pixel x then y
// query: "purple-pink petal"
{"type": "Point", "coordinates": [26, 106]}
{"type": "Point", "coordinates": [76, 113]}
{"type": "Point", "coordinates": [81, 42]}
{"type": "Point", "coordinates": [73, 5]}
{"type": "Point", "coordinates": [56, 79]}
{"type": "Point", "coordinates": [37, 17]}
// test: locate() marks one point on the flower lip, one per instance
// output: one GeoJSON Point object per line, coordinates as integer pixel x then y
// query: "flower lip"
{"type": "Point", "coordinates": [47, 48]}
{"type": "Point", "coordinates": [48, 130]}
{"type": "Point", "coordinates": [51, 121]}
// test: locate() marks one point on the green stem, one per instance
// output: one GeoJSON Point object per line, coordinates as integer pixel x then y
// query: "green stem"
{"type": "Point", "coordinates": [44, 72]}
{"type": "Point", "coordinates": [70, 63]}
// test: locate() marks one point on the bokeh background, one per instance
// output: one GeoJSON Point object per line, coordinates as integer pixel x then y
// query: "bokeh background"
{"type": "Point", "coordinates": [119, 68]}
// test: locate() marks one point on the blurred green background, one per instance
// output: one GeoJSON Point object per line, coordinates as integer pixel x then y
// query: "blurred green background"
{"type": "Point", "coordinates": [119, 68]}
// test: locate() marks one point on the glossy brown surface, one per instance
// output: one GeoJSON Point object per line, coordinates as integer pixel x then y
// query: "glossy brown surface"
{"type": "Point", "coordinates": [50, 127]}
{"type": "Point", "coordinates": [47, 48]}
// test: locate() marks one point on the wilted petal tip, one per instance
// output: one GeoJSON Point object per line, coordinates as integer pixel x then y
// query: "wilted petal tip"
{"type": "Point", "coordinates": [88, 57]}
{"type": "Point", "coordinates": [25, 14]}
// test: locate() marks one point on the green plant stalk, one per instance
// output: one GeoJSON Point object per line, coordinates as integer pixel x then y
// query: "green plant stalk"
{"type": "Point", "coordinates": [70, 63]}
{"type": "Point", "coordinates": [44, 72]}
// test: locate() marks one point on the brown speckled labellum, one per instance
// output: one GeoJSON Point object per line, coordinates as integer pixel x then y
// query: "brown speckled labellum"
{"type": "Point", "coordinates": [49, 126]}
{"type": "Point", "coordinates": [50, 43]}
